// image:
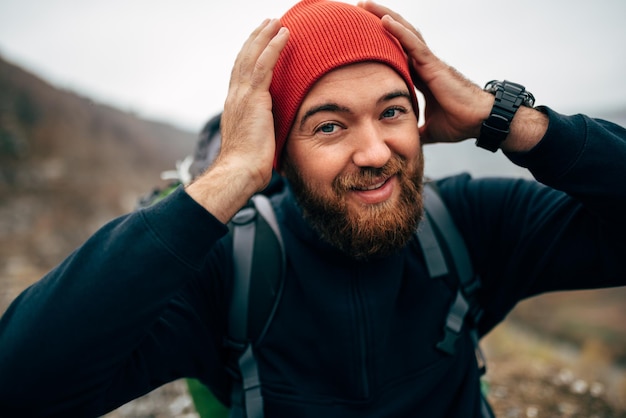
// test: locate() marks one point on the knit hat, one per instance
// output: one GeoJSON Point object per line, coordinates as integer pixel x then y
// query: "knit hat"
{"type": "Point", "coordinates": [325, 35]}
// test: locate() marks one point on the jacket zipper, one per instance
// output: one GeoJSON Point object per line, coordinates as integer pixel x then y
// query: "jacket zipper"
{"type": "Point", "coordinates": [361, 327]}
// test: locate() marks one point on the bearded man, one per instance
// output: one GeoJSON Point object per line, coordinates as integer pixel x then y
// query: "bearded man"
{"type": "Point", "coordinates": [327, 97]}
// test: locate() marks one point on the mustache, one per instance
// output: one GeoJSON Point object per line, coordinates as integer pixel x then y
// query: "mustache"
{"type": "Point", "coordinates": [366, 176]}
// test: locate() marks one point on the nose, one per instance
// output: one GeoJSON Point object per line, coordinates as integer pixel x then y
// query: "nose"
{"type": "Point", "coordinates": [370, 148]}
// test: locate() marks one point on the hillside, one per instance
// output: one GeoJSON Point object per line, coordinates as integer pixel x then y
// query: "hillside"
{"type": "Point", "coordinates": [67, 165]}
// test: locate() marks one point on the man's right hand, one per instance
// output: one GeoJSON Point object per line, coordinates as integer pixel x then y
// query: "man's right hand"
{"type": "Point", "coordinates": [244, 164]}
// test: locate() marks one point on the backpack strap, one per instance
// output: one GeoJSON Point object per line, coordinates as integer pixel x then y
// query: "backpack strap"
{"type": "Point", "coordinates": [465, 302]}
{"type": "Point", "coordinates": [258, 269]}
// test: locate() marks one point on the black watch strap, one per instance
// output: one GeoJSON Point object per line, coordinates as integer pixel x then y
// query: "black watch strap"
{"type": "Point", "coordinates": [509, 97]}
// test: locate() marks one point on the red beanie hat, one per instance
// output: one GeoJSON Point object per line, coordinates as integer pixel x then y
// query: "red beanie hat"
{"type": "Point", "coordinates": [325, 35]}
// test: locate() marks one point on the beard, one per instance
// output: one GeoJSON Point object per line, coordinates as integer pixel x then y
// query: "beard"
{"type": "Point", "coordinates": [366, 231]}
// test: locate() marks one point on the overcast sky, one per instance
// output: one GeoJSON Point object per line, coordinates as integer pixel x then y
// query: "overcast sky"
{"type": "Point", "coordinates": [171, 60]}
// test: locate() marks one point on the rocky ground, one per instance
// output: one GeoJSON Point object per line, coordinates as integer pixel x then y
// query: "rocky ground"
{"type": "Point", "coordinates": [539, 390]}
{"type": "Point", "coordinates": [533, 377]}
{"type": "Point", "coordinates": [169, 401]}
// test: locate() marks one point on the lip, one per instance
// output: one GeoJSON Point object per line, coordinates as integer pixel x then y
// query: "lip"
{"type": "Point", "coordinates": [376, 195]}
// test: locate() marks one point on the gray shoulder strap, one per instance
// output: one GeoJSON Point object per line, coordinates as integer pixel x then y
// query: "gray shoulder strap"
{"type": "Point", "coordinates": [266, 210]}
{"type": "Point", "coordinates": [436, 209]}
{"type": "Point", "coordinates": [244, 230]}
{"type": "Point", "coordinates": [437, 213]}
{"type": "Point", "coordinates": [435, 260]}
{"type": "Point", "coordinates": [244, 234]}
{"type": "Point", "coordinates": [249, 400]}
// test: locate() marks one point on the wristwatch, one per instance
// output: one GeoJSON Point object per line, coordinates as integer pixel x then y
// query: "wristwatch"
{"type": "Point", "coordinates": [509, 97]}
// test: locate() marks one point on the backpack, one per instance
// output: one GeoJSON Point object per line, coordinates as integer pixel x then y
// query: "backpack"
{"type": "Point", "coordinates": [259, 267]}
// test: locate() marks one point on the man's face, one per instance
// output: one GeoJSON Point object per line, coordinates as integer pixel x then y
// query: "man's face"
{"type": "Point", "coordinates": [354, 160]}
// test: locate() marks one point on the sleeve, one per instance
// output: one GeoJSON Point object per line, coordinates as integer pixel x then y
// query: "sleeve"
{"type": "Point", "coordinates": [585, 158]}
{"type": "Point", "coordinates": [119, 317]}
{"type": "Point", "coordinates": [562, 232]}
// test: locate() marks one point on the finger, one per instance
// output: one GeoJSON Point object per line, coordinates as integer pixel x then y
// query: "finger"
{"type": "Point", "coordinates": [241, 56]}
{"type": "Point", "coordinates": [263, 71]}
{"type": "Point", "coordinates": [411, 41]}
{"type": "Point", "coordinates": [252, 48]}
{"type": "Point", "coordinates": [381, 11]}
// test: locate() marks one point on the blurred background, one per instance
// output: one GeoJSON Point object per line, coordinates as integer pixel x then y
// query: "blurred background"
{"type": "Point", "coordinates": [98, 98]}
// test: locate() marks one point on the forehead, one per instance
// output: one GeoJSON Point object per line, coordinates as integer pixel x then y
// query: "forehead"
{"type": "Point", "coordinates": [355, 82]}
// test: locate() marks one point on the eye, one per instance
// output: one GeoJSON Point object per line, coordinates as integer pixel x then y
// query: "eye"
{"type": "Point", "coordinates": [327, 128]}
{"type": "Point", "coordinates": [393, 112]}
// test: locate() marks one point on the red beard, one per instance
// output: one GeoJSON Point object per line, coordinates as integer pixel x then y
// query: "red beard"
{"type": "Point", "coordinates": [370, 230]}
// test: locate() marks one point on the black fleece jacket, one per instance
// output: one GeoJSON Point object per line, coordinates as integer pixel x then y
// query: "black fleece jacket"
{"type": "Point", "coordinates": [143, 301]}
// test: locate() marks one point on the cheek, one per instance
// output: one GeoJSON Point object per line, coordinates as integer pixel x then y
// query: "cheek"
{"type": "Point", "coordinates": [318, 166]}
{"type": "Point", "coordinates": [407, 140]}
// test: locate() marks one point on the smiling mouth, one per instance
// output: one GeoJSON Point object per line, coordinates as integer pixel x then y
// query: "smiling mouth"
{"type": "Point", "coordinates": [371, 187]}
{"type": "Point", "coordinates": [373, 193]}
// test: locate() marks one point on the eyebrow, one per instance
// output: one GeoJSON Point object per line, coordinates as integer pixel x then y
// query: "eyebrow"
{"type": "Point", "coordinates": [326, 107]}
{"type": "Point", "coordinates": [395, 94]}
{"type": "Point", "coordinates": [333, 107]}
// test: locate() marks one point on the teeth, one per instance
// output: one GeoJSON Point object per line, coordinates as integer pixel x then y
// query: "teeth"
{"type": "Point", "coordinates": [373, 187]}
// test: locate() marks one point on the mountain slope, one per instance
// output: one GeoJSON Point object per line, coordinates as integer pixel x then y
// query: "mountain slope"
{"type": "Point", "coordinates": [67, 165]}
